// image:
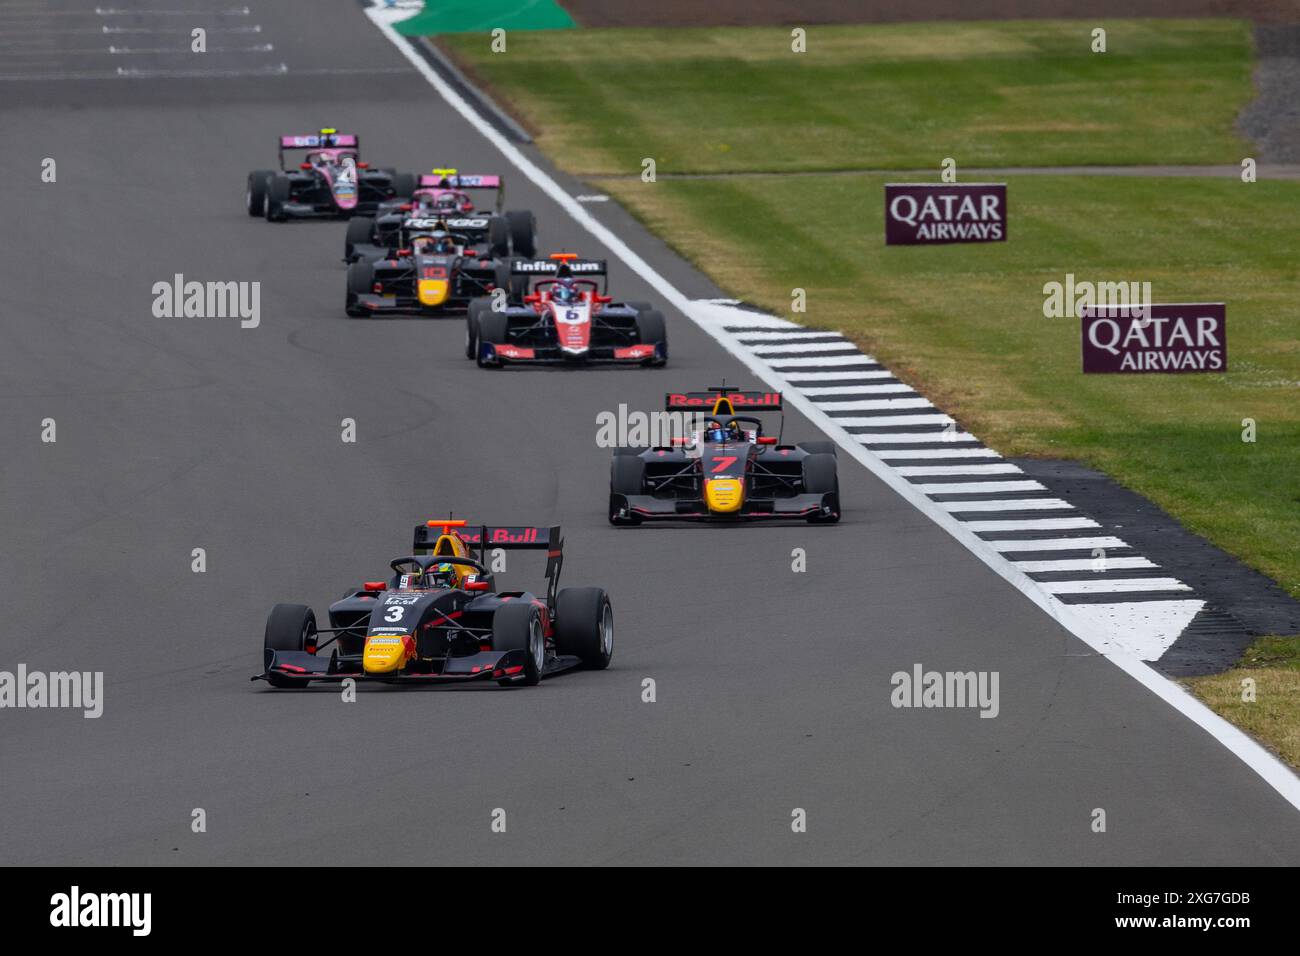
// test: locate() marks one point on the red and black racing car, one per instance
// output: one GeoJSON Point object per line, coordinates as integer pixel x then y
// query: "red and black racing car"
{"type": "Point", "coordinates": [564, 318]}
{"type": "Point", "coordinates": [438, 617]}
{"type": "Point", "coordinates": [725, 468]}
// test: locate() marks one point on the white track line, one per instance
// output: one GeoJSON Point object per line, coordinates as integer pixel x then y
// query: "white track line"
{"type": "Point", "coordinates": [1087, 629]}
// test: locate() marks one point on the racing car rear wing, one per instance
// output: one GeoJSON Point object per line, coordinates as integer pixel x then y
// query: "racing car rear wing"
{"type": "Point", "coordinates": [325, 139]}
{"type": "Point", "coordinates": [509, 537]}
{"type": "Point", "coordinates": [550, 267]}
{"type": "Point", "coordinates": [719, 397]}
{"type": "Point", "coordinates": [452, 179]}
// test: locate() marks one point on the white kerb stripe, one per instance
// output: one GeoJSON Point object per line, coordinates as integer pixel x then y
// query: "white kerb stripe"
{"type": "Point", "coordinates": [1116, 585]}
{"type": "Point", "coordinates": [1023, 504]}
{"type": "Point", "coordinates": [1085, 564]}
{"type": "Point", "coordinates": [1059, 544]}
{"type": "Point", "coordinates": [1032, 524]}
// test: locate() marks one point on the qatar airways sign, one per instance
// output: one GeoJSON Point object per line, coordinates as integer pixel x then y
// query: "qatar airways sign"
{"type": "Point", "coordinates": [1190, 337]}
{"type": "Point", "coordinates": [933, 213]}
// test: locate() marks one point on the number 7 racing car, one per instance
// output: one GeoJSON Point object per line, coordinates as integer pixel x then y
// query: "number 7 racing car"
{"type": "Point", "coordinates": [726, 468]}
{"type": "Point", "coordinates": [438, 618]}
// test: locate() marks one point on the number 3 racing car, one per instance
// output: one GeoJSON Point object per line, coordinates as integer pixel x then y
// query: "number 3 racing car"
{"type": "Point", "coordinates": [331, 183]}
{"type": "Point", "coordinates": [726, 469]}
{"type": "Point", "coordinates": [565, 318]}
{"type": "Point", "coordinates": [439, 618]}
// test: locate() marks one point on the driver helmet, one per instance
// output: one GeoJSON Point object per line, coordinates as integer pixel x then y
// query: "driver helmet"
{"type": "Point", "coordinates": [564, 291]}
{"type": "Point", "coordinates": [446, 204]}
{"type": "Point", "coordinates": [442, 575]}
{"type": "Point", "coordinates": [714, 432]}
{"type": "Point", "coordinates": [734, 431]}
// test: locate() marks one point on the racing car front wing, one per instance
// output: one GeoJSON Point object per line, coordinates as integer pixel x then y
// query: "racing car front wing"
{"type": "Point", "coordinates": [651, 508]}
{"type": "Point", "coordinates": [508, 354]}
{"type": "Point", "coordinates": [485, 665]}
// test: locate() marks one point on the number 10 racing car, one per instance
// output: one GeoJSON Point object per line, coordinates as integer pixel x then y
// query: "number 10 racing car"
{"type": "Point", "coordinates": [439, 619]}
{"type": "Point", "coordinates": [726, 469]}
{"type": "Point", "coordinates": [565, 318]}
{"type": "Point", "coordinates": [332, 182]}
{"type": "Point", "coordinates": [438, 269]}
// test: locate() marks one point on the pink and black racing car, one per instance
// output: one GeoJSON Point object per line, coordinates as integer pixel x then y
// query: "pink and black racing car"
{"type": "Point", "coordinates": [445, 195]}
{"type": "Point", "coordinates": [331, 182]}
{"type": "Point", "coordinates": [556, 312]}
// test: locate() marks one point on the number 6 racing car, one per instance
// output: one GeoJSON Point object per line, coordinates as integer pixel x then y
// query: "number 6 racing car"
{"type": "Point", "coordinates": [726, 469]}
{"type": "Point", "coordinates": [439, 619]}
{"type": "Point", "coordinates": [566, 318]}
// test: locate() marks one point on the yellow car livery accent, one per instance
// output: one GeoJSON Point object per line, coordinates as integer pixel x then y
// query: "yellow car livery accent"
{"type": "Point", "coordinates": [433, 291]}
{"type": "Point", "coordinates": [724, 495]}
{"type": "Point", "coordinates": [384, 654]}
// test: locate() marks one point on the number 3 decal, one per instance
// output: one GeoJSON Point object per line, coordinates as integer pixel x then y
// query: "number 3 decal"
{"type": "Point", "coordinates": [394, 613]}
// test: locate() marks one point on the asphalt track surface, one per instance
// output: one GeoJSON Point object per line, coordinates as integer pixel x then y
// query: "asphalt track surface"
{"type": "Point", "coordinates": [773, 688]}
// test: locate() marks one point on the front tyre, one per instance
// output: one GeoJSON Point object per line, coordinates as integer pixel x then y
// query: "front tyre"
{"type": "Point", "coordinates": [361, 229]}
{"type": "Point", "coordinates": [255, 194]}
{"type": "Point", "coordinates": [361, 278]}
{"type": "Point", "coordinates": [289, 627]}
{"type": "Point", "coordinates": [584, 626]}
{"type": "Point", "coordinates": [518, 627]}
{"type": "Point", "coordinates": [651, 330]}
{"type": "Point", "coordinates": [820, 478]}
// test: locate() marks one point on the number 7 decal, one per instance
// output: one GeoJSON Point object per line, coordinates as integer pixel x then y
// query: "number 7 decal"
{"type": "Point", "coordinates": [723, 462]}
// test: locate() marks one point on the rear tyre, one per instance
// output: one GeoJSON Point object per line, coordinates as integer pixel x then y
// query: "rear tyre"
{"type": "Point", "coordinates": [652, 331]}
{"type": "Point", "coordinates": [361, 229]}
{"type": "Point", "coordinates": [255, 194]}
{"type": "Point", "coordinates": [277, 194]}
{"type": "Point", "coordinates": [820, 478]}
{"type": "Point", "coordinates": [289, 627]}
{"type": "Point", "coordinates": [404, 185]}
{"type": "Point", "coordinates": [361, 279]}
{"type": "Point", "coordinates": [491, 328]}
{"type": "Point", "coordinates": [626, 477]}
{"type": "Point", "coordinates": [518, 627]}
{"type": "Point", "coordinates": [584, 626]}
{"type": "Point", "coordinates": [499, 237]}
{"type": "Point", "coordinates": [523, 232]}
{"type": "Point", "coordinates": [818, 447]}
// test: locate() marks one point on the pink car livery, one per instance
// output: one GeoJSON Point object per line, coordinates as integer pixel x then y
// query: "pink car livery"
{"type": "Point", "coordinates": [445, 195]}
{"type": "Point", "coordinates": [331, 181]}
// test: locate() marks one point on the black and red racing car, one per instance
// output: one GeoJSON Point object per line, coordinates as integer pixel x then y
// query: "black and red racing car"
{"type": "Point", "coordinates": [438, 617]}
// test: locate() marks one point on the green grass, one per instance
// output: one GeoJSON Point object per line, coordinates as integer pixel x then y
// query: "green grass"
{"type": "Point", "coordinates": [965, 324]}
{"type": "Point", "coordinates": [1273, 663]}
{"type": "Point", "coordinates": [892, 96]}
